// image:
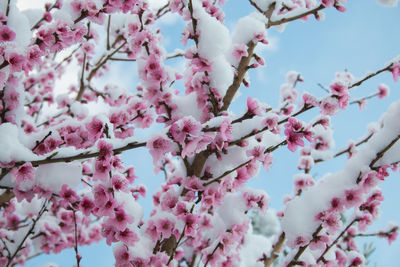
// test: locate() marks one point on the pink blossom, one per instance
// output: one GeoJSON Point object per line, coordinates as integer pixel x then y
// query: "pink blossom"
{"type": "Point", "coordinates": [369, 181]}
{"type": "Point", "coordinates": [122, 257]}
{"type": "Point", "coordinates": [331, 221]}
{"type": "Point", "coordinates": [352, 198]}
{"type": "Point", "coordinates": [73, 139]}
{"type": "Point", "coordinates": [86, 205]}
{"type": "Point", "coordinates": [396, 71]}
{"type": "Point", "coordinates": [128, 237]}
{"type": "Point", "coordinates": [267, 162]}
{"type": "Point", "coordinates": [119, 183]}
{"type": "Point", "coordinates": [294, 140]}
{"type": "Point", "coordinates": [16, 61]}
{"type": "Point", "coordinates": [158, 146]}
{"type": "Point", "coordinates": [305, 163]}
{"type": "Point", "coordinates": [302, 181]}
{"type": "Point", "coordinates": [383, 90]}
{"type": "Point", "coordinates": [240, 51]}
{"type": "Point", "coordinates": [344, 101]}
{"type": "Point", "coordinates": [95, 128]}
{"type": "Point", "coordinates": [121, 219]}
{"type": "Point", "coordinates": [21, 194]}
{"type": "Point", "coordinates": [12, 99]}
{"type": "Point", "coordinates": [6, 34]}
{"type": "Point", "coordinates": [107, 209]}
{"type": "Point", "coordinates": [271, 122]}
{"type": "Point", "coordinates": [253, 107]}
{"type": "Point", "coordinates": [165, 227]}
{"type": "Point", "coordinates": [201, 65]}
{"type": "Point", "coordinates": [193, 183]}
{"type": "Point", "coordinates": [23, 173]}
{"type": "Point", "coordinates": [319, 242]}
{"type": "Point", "coordinates": [101, 195]}
{"type": "Point", "coordinates": [187, 127]}
{"type": "Point", "coordinates": [392, 235]}
{"type": "Point", "coordinates": [169, 200]}
{"type": "Point", "coordinates": [329, 106]}
{"type": "Point", "coordinates": [299, 241]}
{"type": "Point", "coordinates": [225, 130]}
{"type": "Point", "coordinates": [68, 194]}
{"type": "Point", "coordinates": [257, 153]}
{"type": "Point", "coordinates": [101, 169]}
{"type": "Point", "coordinates": [356, 261]}
{"type": "Point", "coordinates": [338, 89]}
{"type": "Point", "coordinates": [151, 230]}
{"type": "Point", "coordinates": [309, 100]}
{"type": "Point", "coordinates": [336, 205]}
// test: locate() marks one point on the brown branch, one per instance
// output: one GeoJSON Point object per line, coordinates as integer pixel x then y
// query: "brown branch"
{"type": "Point", "coordinates": [6, 196]}
{"type": "Point", "coordinates": [227, 173]}
{"type": "Point", "coordinates": [171, 257]}
{"type": "Point", "coordinates": [133, 59]}
{"type": "Point", "coordinates": [336, 240]}
{"type": "Point", "coordinates": [82, 83]}
{"type": "Point", "coordinates": [101, 63]}
{"type": "Point", "coordinates": [358, 101]}
{"type": "Point", "coordinates": [294, 261]}
{"type": "Point", "coordinates": [77, 256]}
{"type": "Point", "coordinates": [30, 231]}
{"type": "Point", "coordinates": [285, 20]}
{"type": "Point", "coordinates": [383, 151]}
{"type": "Point", "coordinates": [268, 150]}
{"type": "Point", "coordinates": [241, 71]}
{"type": "Point", "coordinates": [68, 57]}
{"type": "Point", "coordinates": [8, 8]}
{"type": "Point", "coordinates": [275, 251]}
{"type": "Point", "coordinates": [162, 11]}
{"type": "Point", "coordinates": [108, 32]}
{"type": "Point", "coordinates": [194, 23]}
{"type": "Point", "coordinates": [348, 149]}
{"type": "Point", "coordinates": [212, 253]}
{"type": "Point", "coordinates": [42, 19]}
{"type": "Point", "coordinates": [387, 68]}
{"type": "Point", "coordinates": [41, 141]}
{"type": "Point", "coordinates": [87, 155]}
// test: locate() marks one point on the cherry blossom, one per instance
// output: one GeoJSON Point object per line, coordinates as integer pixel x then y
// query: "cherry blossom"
{"type": "Point", "coordinates": [64, 183]}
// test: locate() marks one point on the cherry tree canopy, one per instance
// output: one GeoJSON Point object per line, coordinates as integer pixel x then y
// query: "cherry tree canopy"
{"type": "Point", "coordinates": [64, 185]}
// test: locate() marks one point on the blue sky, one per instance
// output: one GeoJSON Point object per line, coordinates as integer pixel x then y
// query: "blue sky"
{"type": "Point", "coordinates": [360, 40]}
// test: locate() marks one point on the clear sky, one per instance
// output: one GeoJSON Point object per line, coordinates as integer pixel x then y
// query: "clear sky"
{"type": "Point", "coordinates": [360, 40]}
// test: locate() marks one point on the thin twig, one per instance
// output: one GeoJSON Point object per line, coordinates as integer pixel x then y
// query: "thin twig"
{"type": "Point", "coordinates": [303, 248]}
{"type": "Point", "coordinates": [369, 76]}
{"type": "Point", "coordinates": [108, 32]}
{"type": "Point", "coordinates": [275, 251]}
{"type": "Point", "coordinates": [68, 57]}
{"type": "Point", "coordinates": [82, 83]}
{"type": "Point", "coordinates": [348, 149]}
{"type": "Point", "coordinates": [314, 11]}
{"type": "Point", "coordinates": [41, 141]}
{"type": "Point", "coordinates": [30, 231]}
{"type": "Point", "coordinates": [336, 240]}
{"type": "Point", "coordinates": [78, 257]}
{"type": "Point", "coordinates": [87, 155]}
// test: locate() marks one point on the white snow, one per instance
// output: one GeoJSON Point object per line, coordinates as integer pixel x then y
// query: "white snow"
{"type": "Point", "coordinates": [54, 176]}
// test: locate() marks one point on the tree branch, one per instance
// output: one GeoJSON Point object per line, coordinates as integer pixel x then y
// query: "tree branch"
{"type": "Point", "coordinates": [87, 155]}
{"type": "Point", "coordinates": [78, 257]}
{"type": "Point", "coordinates": [296, 257]}
{"type": "Point", "coordinates": [336, 240]}
{"type": "Point", "coordinates": [237, 81]}
{"type": "Point", "coordinates": [275, 251]}
{"type": "Point", "coordinates": [30, 231]}
{"type": "Point", "coordinates": [314, 11]}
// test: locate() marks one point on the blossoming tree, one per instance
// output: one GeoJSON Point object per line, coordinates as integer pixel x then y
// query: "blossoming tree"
{"type": "Point", "coordinates": [64, 185]}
